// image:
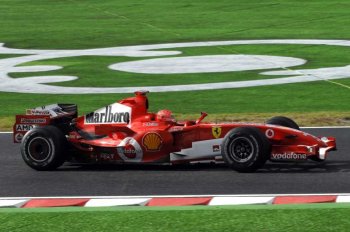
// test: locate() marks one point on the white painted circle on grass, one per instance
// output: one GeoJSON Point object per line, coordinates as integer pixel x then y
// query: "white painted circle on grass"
{"type": "Point", "coordinates": [207, 64]}
{"type": "Point", "coordinates": [219, 63]}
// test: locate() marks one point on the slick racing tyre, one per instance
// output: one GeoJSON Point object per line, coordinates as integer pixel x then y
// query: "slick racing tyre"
{"type": "Point", "coordinates": [44, 148]}
{"type": "Point", "coordinates": [245, 149]}
{"type": "Point", "coordinates": [283, 121]}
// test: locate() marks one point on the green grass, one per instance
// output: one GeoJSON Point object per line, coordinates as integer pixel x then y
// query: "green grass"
{"type": "Point", "coordinates": [290, 100]}
{"type": "Point", "coordinates": [78, 24]}
{"type": "Point", "coordinates": [314, 217]}
{"type": "Point", "coordinates": [298, 98]}
{"type": "Point", "coordinates": [88, 23]}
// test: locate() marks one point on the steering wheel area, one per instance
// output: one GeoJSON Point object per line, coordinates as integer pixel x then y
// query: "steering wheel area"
{"type": "Point", "coordinates": [192, 122]}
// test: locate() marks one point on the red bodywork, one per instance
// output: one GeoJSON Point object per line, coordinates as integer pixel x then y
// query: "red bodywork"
{"type": "Point", "coordinates": [126, 132]}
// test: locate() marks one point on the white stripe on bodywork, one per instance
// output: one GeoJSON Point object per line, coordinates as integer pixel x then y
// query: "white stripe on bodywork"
{"type": "Point", "coordinates": [199, 150]}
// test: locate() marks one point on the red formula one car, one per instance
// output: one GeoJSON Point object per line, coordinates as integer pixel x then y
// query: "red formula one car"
{"type": "Point", "coordinates": [125, 132]}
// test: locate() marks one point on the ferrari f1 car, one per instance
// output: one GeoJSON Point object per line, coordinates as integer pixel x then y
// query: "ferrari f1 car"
{"type": "Point", "coordinates": [125, 132]}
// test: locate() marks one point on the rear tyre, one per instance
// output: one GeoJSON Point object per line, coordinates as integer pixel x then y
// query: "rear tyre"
{"type": "Point", "coordinates": [245, 149]}
{"type": "Point", "coordinates": [44, 148]}
{"type": "Point", "coordinates": [283, 121]}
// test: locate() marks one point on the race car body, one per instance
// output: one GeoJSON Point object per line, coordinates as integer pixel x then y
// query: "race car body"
{"type": "Point", "coordinates": [125, 132]}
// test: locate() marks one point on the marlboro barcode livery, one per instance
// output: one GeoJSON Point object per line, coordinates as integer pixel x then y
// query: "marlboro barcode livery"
{"type": "Point", "coordinates": [125, 132]}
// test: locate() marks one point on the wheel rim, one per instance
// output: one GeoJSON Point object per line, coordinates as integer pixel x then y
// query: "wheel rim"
{"type": "Point", "coordinates": [241, 149]}
{"type": "Point", "coordinates": [39, 149]}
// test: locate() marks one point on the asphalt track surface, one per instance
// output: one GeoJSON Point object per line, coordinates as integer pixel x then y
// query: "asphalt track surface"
{"type": "Point", "coordinates": [332, 176]}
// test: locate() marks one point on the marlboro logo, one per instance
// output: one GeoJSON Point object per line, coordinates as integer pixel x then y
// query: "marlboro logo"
{"type": "Point", "coordinates": [111, 114]}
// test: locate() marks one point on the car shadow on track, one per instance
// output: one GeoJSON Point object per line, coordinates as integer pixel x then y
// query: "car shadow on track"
{"type": "Point", "coordinates": [143, 167]}
{"type": "Point", "coordinates": [269, 167]}
{"type": "Point", "coordinates": [307, 167]}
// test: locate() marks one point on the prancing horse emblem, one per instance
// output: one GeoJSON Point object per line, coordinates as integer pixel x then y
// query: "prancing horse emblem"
{"type": "Point", "coordinates": [216, 131]}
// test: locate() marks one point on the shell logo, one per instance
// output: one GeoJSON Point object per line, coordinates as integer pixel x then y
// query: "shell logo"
{"type": "Point", "coordinates": [152, 141]}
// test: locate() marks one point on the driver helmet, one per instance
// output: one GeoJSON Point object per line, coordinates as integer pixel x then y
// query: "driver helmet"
{"type": "Point", "coordinates": [165, 116]}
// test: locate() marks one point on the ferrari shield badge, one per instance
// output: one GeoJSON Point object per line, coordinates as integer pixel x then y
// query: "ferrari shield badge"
{"type": "Point", "coordinates": [216, 130]}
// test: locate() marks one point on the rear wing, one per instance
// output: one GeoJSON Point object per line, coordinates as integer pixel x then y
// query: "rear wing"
{"type": "Point", "coordinates": [54, 114]}
{"type": "Point", "coordinates": [25, 123]}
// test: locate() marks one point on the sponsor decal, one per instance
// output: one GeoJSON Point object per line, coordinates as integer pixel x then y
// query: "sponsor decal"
{"type": "Point", "coordinates": [176, 128]}
{"type": "Point", "coordinates": [130, 150]}
{"type": "Point", "coordinates": [37, 112]}
{"type": "Point", "coordinates": [152, 141]}
{"type": "Point", "coordinates": [18, 137]}
{"type": "Point", "coordinates": [106, 156]}
{"type": "Point", "coordinates": [33, 120]}
{"type": "Point", "coordinates": [150, 124]}
{"type": "Point", "coordinates": [269, 133]}
{"type": "Point", "coordinates": [74, 136]}
{"type": "Point", "coordinates": [216, 148]}
{"type": "Point", "coordinates": [53, 110]}
{"type": "Point", "coordinates": [24, 127]}
{"type": "Point", "coordinates": [288, 156]}
{"type": "Point", "coordinates": [111, 114]}
{"type": "Point", "coordinates": [216, 131]}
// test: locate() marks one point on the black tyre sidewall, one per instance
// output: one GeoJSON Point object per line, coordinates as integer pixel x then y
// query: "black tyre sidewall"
{"type": "Point", "coordinates": [56, 140]}
{"type": "Point", "coordinates": [260, 144]}
{"type": "Point", "coordinates": [283, 121]}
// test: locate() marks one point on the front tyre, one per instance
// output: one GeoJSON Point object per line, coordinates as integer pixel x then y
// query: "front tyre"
{"type": "Point", "coordinates": [283, 121]}
{"type": "Point", "coordinates": [44, 148]}
{"type": "Point", "coordinates": [245, 149]}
